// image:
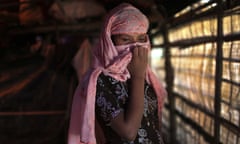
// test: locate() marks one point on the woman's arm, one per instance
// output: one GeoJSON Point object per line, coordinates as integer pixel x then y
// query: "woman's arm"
{"type": "Point", "coordinates": [127, 123]}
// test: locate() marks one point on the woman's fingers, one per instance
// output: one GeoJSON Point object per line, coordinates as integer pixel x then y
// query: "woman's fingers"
{"type": "Point", "coordinates": [138, 64]}
{"type": "Point", "coordinates": [135, 52]}
{"type": "Point", "coordinates": [142, 53]}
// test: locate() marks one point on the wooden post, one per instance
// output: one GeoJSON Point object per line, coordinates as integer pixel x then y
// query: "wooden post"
{"type": "Point", "coordinates": [169, 87]}
{"type": "Point", "coordinates": [218, 73]}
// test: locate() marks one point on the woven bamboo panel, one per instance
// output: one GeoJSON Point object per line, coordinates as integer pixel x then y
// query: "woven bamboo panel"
{"type": "Point", "coordinates": [194, 69]}
{"type": "Point", "coordinates": [231, 71]}
{"type": "Point", "coordinates": [230, 114]}
{"type": "Point", "coordinates": [230, 89]}
{"type": "Point", "coordinates": [191, 113]}
{"type": "Point", "coordinates": [210, 27]}
{"type": "Point", "coordinates": [178, 33]}
{"type": "Point", "coordinates": [187, 135]}
{"type": "Point", "coordinates": [231, 49]}
{"type": "Point", "coordinates": [228, 137]}
{"type": "Point", "coordinates": [194, 73]}
{"type": "Point", "coordinates": [198, 117]}
{"type": "Point", "coordinates": [230, 93]}
{"type": "Point", "coordinates": [194, 78]}
{"type": "Point", "coordinates": [199, 28]}
{"type": "Point", "coordinates": [231, 24]}
{"type": "Point", "coordinates": [196, 29]}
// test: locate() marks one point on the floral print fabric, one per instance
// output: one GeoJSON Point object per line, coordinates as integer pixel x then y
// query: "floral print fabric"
{"type": "Point", "coordinates": [111, 99]}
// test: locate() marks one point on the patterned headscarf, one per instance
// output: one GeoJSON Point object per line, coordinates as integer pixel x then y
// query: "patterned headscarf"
{"type": "Point", "coordinates": [111, 60]}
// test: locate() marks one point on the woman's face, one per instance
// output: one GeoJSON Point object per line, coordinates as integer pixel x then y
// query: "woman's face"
{"type": "Point", "coordinates": [124, 39]}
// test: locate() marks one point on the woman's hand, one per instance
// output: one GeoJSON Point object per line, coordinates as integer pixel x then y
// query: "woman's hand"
{"type": "Point", "coordinates": [137, 66]}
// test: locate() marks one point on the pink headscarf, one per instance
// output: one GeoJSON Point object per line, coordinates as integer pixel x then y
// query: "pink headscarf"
{"type": "Point", "coordinates": [111, 60]}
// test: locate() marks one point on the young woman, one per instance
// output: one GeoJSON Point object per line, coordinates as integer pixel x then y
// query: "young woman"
{"type": "Point", "coordinates": [120, 97]}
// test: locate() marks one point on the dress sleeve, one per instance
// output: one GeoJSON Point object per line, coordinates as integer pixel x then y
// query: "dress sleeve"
{"type": "Point", "coordinates": [110, 98]}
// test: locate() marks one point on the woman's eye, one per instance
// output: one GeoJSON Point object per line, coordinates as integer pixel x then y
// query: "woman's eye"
{"type": "Point", "coordinates": [125, 39]}
{"type": "Point", "coordinates": [142, 39]}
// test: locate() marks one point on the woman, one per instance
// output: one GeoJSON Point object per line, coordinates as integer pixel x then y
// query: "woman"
{"type": "Point", "coordinates": [120, 92]}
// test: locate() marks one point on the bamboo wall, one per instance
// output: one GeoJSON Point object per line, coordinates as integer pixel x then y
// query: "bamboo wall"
{"type": "Point", "coordinates": [202, 72]}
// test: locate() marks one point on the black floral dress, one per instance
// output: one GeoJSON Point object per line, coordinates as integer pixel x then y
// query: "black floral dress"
{"type": "Point", "coordinates": [112, 98]}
